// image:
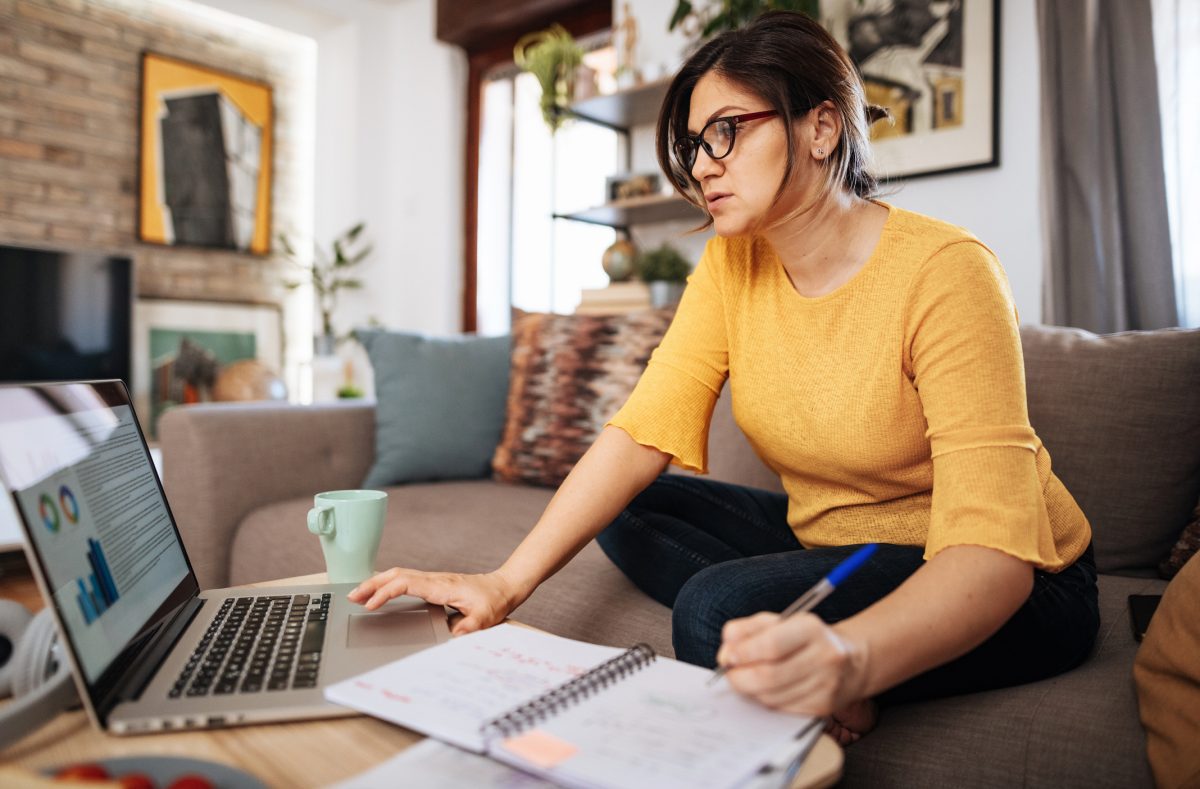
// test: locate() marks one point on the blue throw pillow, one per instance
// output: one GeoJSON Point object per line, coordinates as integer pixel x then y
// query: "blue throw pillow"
{"type": "Point", "coordinates": [440, 405]}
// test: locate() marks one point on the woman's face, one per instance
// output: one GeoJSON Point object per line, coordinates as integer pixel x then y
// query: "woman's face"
{"type": "Point", "coordinates": [740, 188]}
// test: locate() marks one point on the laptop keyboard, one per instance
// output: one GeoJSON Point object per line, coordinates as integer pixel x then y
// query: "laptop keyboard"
{"type": "Point", "coordinates": [268, 643]}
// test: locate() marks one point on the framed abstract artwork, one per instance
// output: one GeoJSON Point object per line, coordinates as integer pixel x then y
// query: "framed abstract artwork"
{"type": "Point", "coordinates": [184, 352]}
{"type": "Point", "coordinates": [205, 157]}
{"type": "Point", "coordinates": [935, 64]}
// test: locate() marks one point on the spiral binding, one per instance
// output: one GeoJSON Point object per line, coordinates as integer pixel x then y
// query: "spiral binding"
{"type": "Point", "coordinates": [559, 698]}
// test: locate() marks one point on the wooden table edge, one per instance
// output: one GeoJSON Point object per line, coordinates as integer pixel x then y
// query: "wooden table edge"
{"type": "Point", "coordinates": [361, 743]}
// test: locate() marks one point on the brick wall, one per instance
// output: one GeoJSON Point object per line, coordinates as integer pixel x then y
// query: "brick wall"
{"type": "Point", "coordinates": [69, 78]}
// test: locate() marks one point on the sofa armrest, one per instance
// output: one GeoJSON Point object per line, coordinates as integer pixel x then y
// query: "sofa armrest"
{"type": "Point", "coordinates": [223, 461]}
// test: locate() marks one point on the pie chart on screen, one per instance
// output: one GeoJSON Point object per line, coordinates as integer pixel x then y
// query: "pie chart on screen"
{"type": "Point", "coordinates": [70, 507]}
{"type": "Point", "coordinates": [49, 513]}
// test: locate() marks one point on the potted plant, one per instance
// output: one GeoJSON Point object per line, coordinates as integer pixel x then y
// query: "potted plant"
{"type": "Point", "coordinates": [331, 271]}
{"type": "Point", "coordinates": [552, 56]}
{"type": "Point", "coordinates": [717, 16]}
{"type": "Point", "coordinates": [665, 271]}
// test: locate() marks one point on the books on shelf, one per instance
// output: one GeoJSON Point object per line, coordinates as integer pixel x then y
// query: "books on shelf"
{"type": "Point", "coordinates": [578, 714]}
{"type": "Point", "coordinates": [617, 297]}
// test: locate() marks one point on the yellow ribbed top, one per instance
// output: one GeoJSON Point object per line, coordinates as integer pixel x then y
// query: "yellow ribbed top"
{"type": "Point", "coordinates": [893, 409]}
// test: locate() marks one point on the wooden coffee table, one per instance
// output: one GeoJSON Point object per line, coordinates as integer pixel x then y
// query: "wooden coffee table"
{"type": "Point", "coordinates": [309, 753]}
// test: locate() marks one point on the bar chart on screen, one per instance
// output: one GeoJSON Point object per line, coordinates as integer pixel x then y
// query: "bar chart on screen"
{"type": "Point", "coordinates": [99, 592]}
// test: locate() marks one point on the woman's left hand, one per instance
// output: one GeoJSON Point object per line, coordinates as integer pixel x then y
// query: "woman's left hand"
{"type": "Point", "coordinates": [798, 665]}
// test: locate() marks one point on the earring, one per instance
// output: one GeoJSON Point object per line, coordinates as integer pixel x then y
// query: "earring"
{"type": "Point", "coordinates": [820, 152]}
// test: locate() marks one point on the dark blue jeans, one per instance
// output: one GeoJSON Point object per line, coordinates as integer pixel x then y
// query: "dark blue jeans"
{"type": "Point", "coordinates": [713, 551]}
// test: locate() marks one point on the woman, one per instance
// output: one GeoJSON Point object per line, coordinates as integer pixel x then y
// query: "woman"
{"type": "Point", "coordinates": [875, 365]}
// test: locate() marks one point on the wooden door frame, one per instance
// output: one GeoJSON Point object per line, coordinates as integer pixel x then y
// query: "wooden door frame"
{"type": "Point", "coordinates": [487, 33]}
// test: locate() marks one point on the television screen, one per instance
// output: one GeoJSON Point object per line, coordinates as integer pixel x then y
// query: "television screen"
{"type": "Point", "coordinates": [66, 315]}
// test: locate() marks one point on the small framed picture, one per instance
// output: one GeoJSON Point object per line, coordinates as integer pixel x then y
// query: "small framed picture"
{"type": "Point", "coordinates": [626, 186]}
{"type": "Point", "coordinates": [183, 352]}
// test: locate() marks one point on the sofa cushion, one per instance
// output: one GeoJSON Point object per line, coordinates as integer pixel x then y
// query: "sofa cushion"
{"type": "Point", "coordinates": [1077, 729]}
{"type": "Point", "coordinates": [1121, 420]}
{"type": "Point", "coordinates": [570, 374]}
{"type": "Point", "coordinates": [466, 526]}
{"type": "Point", "coordinates": [1167, 676]}
{"type": "Point", "coordinates": [440, 405]}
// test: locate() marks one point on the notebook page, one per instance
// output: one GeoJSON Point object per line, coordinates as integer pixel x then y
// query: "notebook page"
{"type": "Point", "coordinates": [434, 765]}
{"type": "Point", "coordinates": [661, 726]}
{"type": "Point", "coordinates": [450, 690]}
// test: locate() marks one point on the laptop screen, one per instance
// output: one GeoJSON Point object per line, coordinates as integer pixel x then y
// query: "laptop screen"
{"type": "Point", "coordinates": [82, 479]}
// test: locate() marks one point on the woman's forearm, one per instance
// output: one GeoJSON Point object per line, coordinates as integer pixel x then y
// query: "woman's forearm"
{"type": "Point", "coordinates": [613, 470]}
{"type": "Point", "coordinates": [954, 603]}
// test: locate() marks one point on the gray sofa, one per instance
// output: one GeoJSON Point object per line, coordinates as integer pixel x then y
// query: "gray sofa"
{"type": "Point", "coordinates": [1119, 415]}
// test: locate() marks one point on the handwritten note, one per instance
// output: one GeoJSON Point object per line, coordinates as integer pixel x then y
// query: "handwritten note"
{"type": "Point", "coordinates": [663, 726]}
{"type": "Point", "coordinates": [449, 691]}
{"type": "Point", "coordinates": [660, 725]}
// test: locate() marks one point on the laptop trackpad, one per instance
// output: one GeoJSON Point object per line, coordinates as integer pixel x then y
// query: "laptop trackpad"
{"type": "Point", "coordinates": [390, 628]}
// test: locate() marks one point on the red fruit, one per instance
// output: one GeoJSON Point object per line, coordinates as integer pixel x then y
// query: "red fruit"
{"type": "Point", "coordinates": [84, 771]}
{"type": "Point", "coordinates": [136, 781]}
{"type": "Point", "coordinates": [191, 782]}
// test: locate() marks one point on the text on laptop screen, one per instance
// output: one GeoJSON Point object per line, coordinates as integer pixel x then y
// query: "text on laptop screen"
{"type": "Point", "coordinates": [85, 486]}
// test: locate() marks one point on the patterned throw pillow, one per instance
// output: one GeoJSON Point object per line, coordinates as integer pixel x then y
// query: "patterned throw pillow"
{"type": "Point", "coordinates": [1185, 547]}
{"type": "Point", "coordinates": [569, 375]}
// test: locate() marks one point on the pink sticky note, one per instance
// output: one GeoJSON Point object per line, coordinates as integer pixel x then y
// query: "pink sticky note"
{"type": "Point", "coordinates": [540, 749]}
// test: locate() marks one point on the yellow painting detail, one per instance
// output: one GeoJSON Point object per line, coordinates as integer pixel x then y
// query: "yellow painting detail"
{"type": "Point", "coordinates": [221, 130]}
{"type": "Point", "coordinates": [896, 101]}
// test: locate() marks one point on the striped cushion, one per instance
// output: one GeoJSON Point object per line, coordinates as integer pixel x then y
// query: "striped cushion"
{"type": "Point", "coordinates": [569, 375]}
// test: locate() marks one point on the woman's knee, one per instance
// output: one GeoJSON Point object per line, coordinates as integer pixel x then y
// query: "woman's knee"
{"type": "Point", "coordinates": [697, 619]}
{"type": "Point", "coordinates": [708, 600]}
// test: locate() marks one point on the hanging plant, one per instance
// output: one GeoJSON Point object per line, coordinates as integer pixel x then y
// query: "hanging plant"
{"type": "Point", "coordinates": [551, 56]}
{"type": "Point", "coordinates": [717, 16]}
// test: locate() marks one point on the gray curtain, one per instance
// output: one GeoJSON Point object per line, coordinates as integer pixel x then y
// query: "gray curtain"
{"type": "Point", "coordinates": [1108, 245]}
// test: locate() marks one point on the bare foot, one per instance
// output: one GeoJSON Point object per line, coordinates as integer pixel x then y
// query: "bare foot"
{"type": "Point", "coordinates": [851, 722]}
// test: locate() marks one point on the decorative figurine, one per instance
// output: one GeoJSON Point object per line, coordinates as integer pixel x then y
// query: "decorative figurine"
{"type": "Point", "coordinates": [628, 74]}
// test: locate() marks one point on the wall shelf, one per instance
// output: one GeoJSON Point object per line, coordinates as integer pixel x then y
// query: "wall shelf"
{"type": "Point", "coordinates": [637, 210]}
{"type": "Point", "coordinates": [625, 108]}
{"type": "Point", "coordinates": [621, 112]}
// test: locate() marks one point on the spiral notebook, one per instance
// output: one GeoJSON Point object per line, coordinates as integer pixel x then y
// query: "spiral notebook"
{"type": "Point", "coordinates": [578, 714]}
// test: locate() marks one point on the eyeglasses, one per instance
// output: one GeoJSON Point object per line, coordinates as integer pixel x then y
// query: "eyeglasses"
{"type": "Point", "coordinates": [716, 138]}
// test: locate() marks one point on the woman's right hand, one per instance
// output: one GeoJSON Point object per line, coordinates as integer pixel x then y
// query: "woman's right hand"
{"type": "Point", "coordinates": [484, 600]}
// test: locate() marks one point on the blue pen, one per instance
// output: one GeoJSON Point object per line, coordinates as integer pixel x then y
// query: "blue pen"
{"type": "Point", "coordinates": [823, 588]}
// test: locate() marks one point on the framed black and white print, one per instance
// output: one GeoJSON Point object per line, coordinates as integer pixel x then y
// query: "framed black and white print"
{"type": "Point", "coordinates": [935, 65]}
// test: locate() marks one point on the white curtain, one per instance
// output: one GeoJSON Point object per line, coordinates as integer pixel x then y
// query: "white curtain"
{"type": "Point", "coordinates": [1177, 55]}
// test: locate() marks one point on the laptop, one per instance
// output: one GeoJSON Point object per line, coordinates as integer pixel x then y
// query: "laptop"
{"type": "Point", "coordinates": [150, 650]}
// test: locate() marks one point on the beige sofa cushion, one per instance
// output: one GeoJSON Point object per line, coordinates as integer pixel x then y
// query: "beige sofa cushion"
{"type": "Point", "coordinates": [466, 526]}
{"type": "Point", "coordinates": [1120, 417]}
{"type": "Point", "coordinates": [1167, 673]}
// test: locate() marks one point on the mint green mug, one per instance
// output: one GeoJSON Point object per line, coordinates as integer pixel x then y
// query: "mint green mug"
{"type": "Point", "coordinates": [350, 524]}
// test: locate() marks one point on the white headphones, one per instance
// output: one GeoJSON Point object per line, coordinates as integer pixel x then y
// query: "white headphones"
{"type": "Point", "coordinates": [32, 670]}
{"type": "Point", "coordinates": [14, 619]}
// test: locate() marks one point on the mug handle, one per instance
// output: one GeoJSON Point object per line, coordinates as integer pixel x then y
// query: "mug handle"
{"type": "Point", "coordinates": [320, 520]}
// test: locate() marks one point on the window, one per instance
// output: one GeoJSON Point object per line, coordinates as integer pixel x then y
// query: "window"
{"type": "Point", "coordinates": [525, 257]}
{"type": "Point", "coordinates": [1177, 52]}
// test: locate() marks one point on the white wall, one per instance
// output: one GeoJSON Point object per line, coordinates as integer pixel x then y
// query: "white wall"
{"type": "Point", "coordinates": [390, 134]}
{"type": "Point", "coordinates": [1000, 205]}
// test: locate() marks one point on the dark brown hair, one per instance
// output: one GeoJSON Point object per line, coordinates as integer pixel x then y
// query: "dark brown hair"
{"type": "Point", "coordinates": [793, 64]}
